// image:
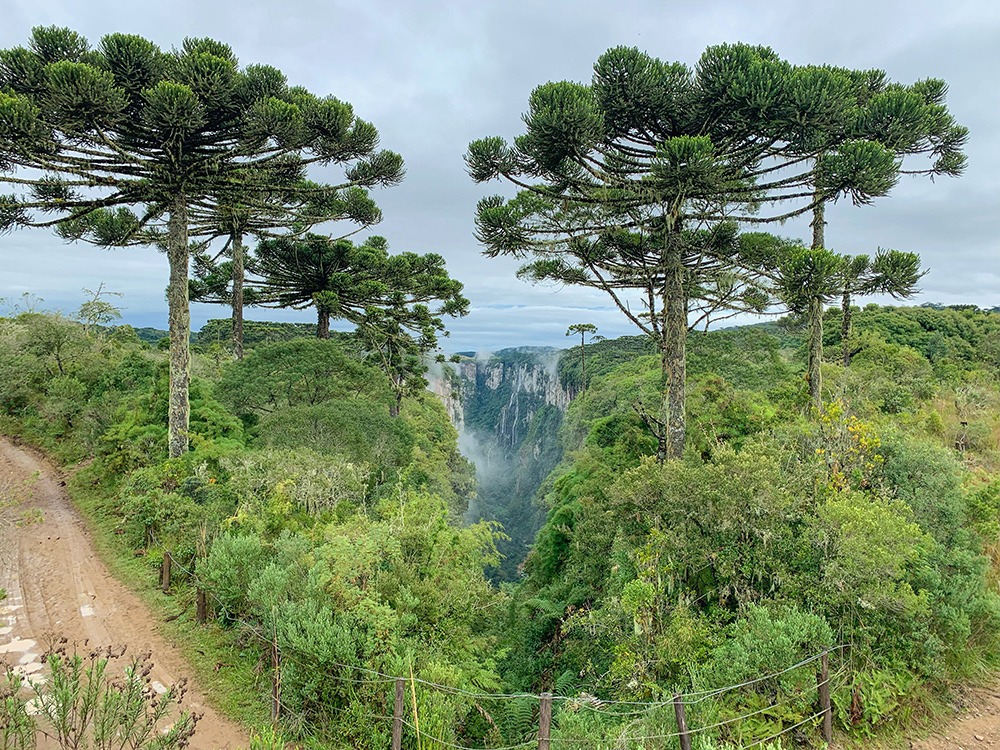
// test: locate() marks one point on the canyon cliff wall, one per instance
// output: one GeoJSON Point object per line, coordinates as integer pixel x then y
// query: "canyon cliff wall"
{"type": "Point", "coordinates": [507, 407]}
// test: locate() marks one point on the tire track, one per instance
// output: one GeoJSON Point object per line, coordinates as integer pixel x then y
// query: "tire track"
{"type": "Point", "coordinates": [57, 586]}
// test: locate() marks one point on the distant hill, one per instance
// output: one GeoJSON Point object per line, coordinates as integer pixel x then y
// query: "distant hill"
{"type": "Point", "coordinates": [151, 335]}
{"type": "Point", "coordinates": [218, 330]}
{"type": "Point", "coordinates": [254, 332]}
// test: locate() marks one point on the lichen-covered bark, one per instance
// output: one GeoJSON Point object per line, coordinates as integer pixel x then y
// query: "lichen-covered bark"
{"type": "Point", "coordinates": [845, 328]}
{"type": "Point", "coordinates": [673, 358]}
{"type": "Point", "coordinates": [179, 411]}
{"type": "Point", "coordinates": [238, 294]}
{"type": "Point", "coordinates": [816, 314]}
{"type": "Point", "coordinates": [815, 351]}
{"type": "Point", "coordinates": [819, 226]}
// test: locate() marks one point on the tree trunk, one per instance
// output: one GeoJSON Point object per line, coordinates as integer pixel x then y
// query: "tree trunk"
{"type": "Point", "coordinates": [845, 328]}
{"type": "Point", "coordinates": [179, 411]}
{"type": "Point", "coordinates": [816, 314]}
{"type": "Point", "coordinates": [323, 324]}
{"type": "Point", "coordinates": [818, 225]}
{"type": "Point", "coordinates": [815, 351]}
{"type": "Point", "coordinates": [673, 358]}
{"type": "Point", "coordinates": [238, 294]}
{"type": "Point", "coordinates": [583, 363]}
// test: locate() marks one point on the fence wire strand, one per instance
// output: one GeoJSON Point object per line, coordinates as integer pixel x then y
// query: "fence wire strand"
{"type": "Point", "coordinates": [597, 705]}
{"type": "Point", "coordinates": [701, 695]}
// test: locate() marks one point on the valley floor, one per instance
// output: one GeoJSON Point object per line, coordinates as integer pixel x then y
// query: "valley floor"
{"type": "Point", "coordinates": [57, 586]}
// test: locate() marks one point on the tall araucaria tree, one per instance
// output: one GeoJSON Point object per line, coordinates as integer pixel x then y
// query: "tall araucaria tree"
{"type": "Point", "coordinates": [395, 302]}
{"type": "Point", "coordinates": [805, 280]}
{"type": "Point", "coordinates": [912, 122]}
{"type": "Point", "coordinates": [582, 329]}
{"type": "Point", "coordinates": [627, 185]}
{"type": "Point", "coordinates": [114, 138]}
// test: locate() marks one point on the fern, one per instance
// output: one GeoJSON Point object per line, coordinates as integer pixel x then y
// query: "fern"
{"type": "Point", "coordinates": [519, 719]}
{"type": "Point", "coordinates": [566, 684]}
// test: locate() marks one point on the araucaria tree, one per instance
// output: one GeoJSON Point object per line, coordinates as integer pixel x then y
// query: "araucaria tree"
{"type": "Point", "coordinates": [395, 302]}
{"type": "Point", "coordinates": [233, 215]}
{"type": "Point", "coordinates": [912, 122]}
{"type": "Point", "coordinates": [890, 272]}
{"type": "Point", "coordinates": [108, 140]}
{"type": "Point", "coordinates": [805, 280]}
{"type": "Point", "coordinates": [582, 329]}
{"type": "Point", "coordinates": [632, 184]}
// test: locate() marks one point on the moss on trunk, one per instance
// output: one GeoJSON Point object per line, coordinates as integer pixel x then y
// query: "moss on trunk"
{"type": "Point", "coordinates": [179, 412]}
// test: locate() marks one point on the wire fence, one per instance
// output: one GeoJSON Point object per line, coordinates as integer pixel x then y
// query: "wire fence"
{"type": "Point", "coordinates": [628, 723]}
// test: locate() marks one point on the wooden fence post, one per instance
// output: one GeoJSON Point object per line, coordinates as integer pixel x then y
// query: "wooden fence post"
{"type": "Point", "coordinates": [165, 572]}
{"type": "Point", "coordinates": [201, 607]}
{"type": "Point", "coordinates": [823, 685]}
{"type": "Point", "coordinates": [544, 720]}
{"type": "Point", "coordinates": [682, 726]}
{"type": "Point", "coordinates": [397, 715]}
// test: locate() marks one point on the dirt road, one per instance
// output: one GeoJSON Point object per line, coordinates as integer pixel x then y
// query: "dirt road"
{"type": "Point", "coordinates": [57, 585]}
{"type": "Point", "coordinates": [977, 725]}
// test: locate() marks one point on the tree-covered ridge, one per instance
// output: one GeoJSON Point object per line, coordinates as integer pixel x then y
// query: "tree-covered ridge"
{"type": "Point", "coordinates": [872, 527]}
{"type": "Point", "coordinates": [220, 331]}
{"type": "Point", "coordinates": [725, 351]}
{"type": "Point", "coordinates": [255, 332]}
{"type": "Point", "coordinates": [962, 336]}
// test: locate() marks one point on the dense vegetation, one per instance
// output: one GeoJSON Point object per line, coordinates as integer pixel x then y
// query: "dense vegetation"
{"type": "Point", "coordinates": [872, 530]}
{"type": "Point", "coordinates": [348, 550]}
{"type": "Point", "coordinates": [872, 527]}
{"type": "Point", "coordinates": [714, 520]}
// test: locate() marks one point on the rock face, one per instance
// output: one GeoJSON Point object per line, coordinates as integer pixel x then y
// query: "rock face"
{"type": "Point", "coordinates": [445, 381]}
{"type": "Point", "coordinates": [507, 408]}
{"type": "Point", "coordinates": [500, 393]}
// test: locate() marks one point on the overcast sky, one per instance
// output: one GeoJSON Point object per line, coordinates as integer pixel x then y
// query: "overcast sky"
{"type": "Point", "coordinates": [433, 76]}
